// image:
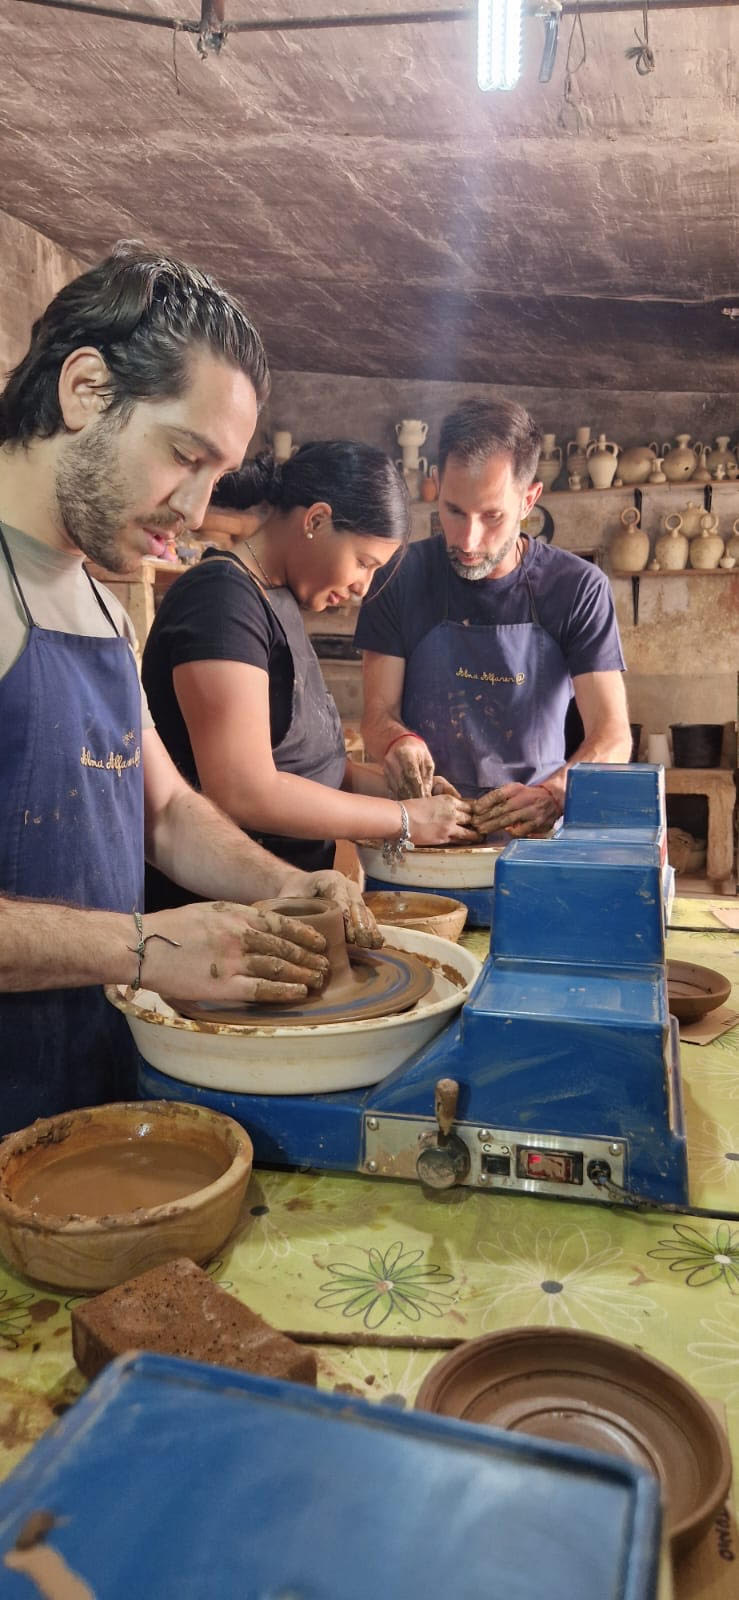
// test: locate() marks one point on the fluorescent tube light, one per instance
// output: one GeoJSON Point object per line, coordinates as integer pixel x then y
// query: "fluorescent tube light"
{"type": "Point", "coordinates": [499, 29]}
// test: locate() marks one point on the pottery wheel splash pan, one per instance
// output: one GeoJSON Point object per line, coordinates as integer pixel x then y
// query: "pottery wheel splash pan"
{"type": "Point", "coordinates": [694, 991]}
{"type": "Point", "coordinates": [585, 1390]}
{"type": "Point", "coordinates": [386, 982]}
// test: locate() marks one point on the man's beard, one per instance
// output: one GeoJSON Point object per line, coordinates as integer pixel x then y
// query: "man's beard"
{"type": "Point", "coordinates": [93, 501]}
{"type": "Point", "coordinates": [485, 566]}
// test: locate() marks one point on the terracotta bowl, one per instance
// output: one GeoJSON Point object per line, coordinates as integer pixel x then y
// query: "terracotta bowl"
{"type": "Point", "coordinates": [429, 913]}
{"type": "Point", "coordinates": [693, 991]}
{"type": "Point", "coordinates": [586, 1390]}
{"type": "Point", "coordinates": [93, 1197]}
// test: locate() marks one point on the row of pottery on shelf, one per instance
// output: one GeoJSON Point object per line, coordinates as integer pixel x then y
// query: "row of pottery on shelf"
{"type": "Point", "coordinates": [603, 462]}
{"type": "Point", "coordinates": [704, 549]}
{"type": "Point", "coordinates": [411, 433]}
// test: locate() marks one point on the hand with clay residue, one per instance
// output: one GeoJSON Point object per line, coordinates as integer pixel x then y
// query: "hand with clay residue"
{"type": "Point", "coordinates": [409, 769]}
{"type": "Point", "coordinates": [219, 951]}
{"type": "Point", "coordinates": [443, 819]}
{"type": "Point", "coordinates": [359, 924]}
{"type": "Point", "coordinates": [519, 808]}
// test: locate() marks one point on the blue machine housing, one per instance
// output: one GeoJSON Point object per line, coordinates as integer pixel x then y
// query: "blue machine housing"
{"type": "Point", "coordinates": [567, 1032]}
{"type": "Point", "coordinates": [174, 1481]}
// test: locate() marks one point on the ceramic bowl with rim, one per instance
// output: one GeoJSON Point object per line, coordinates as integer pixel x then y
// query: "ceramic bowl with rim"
{"type": "Point", "coordinates": [92, 1197]}
{"type": "Point", "coordinates": [428, 913]}
{"type": "Point", "coordinates": [583, 1389]}
{"type": "Point", "coordinates": [694, 991]}
{"type": "Point", "coordinates": [446, 866]}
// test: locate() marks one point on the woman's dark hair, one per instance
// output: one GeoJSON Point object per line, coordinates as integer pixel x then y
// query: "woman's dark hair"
{"type": "Point", "coordinates": [479, 429]}
{"type": "Point", "coordinates": [144, 312]}
{"type": "Point", "coordinates": [362, 486]}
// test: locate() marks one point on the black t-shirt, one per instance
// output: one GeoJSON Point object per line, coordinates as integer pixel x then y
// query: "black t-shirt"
{"type": "Point", "coordinates": [217, 612]}
{"type": "Point", "coordinates": [572, 597]}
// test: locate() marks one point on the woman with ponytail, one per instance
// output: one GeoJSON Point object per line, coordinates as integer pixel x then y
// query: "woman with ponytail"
{"type": "Point", "coordinates": [233, 682]}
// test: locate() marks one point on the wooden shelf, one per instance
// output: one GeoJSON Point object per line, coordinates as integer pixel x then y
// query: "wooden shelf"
{"type": "Point", "coordinates": [685, 572]}
{"type": "Point", "coordinates": [683, 487]}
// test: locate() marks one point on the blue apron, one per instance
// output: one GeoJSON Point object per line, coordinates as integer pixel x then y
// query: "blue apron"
{"type": "Point", "coordinates": [72, 830]}
{"type": "Point", "coordinates": [489, 699]}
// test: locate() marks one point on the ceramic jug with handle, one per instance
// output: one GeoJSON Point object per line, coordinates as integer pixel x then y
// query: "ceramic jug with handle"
{"type": "Point", "coordinates": [602, 457]}
{"type": "Point", "coordinates": [282, 445]}
{"type": "Point", "coordinates": [679, 461]}
{"type": "Point", "coordinates": [692, 515]}
{"type": "Point", "coordinates": [576, 458]}
{"type": "Point", "coordinates": [673, 548]}
{"type": "Point", "coordinates": [550, 461]}
{"type": "Point", "coordinates": [630, 548]}
{"type": "Point", "coordinates": [732, 544]}
{"type": "Point", "coordinates": [706, 551]}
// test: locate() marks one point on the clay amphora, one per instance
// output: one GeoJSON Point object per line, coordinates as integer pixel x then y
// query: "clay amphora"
{"type": "Point", "coordinates": [635, 465]}
{"type": "Point", "coordinates": [429, 490]}
{"type": "Point", "coordinates": [576, 459]}
{"type": "Point", "coordinates": [732, 544]}
{"type": "Point", "coordinates": [672, 549]}
{"type": "Point", "coordinates": [630, 549]}
{"type": "Point", "coordinates": [411, 431]}
{"type": "Point", "coordinates": [692, 517]}
{"type": "Point", "coordinates": [706, 551]}
{"type": "Point", "coordinates": [602, 459]}
{"type": "Point", "coordinates": [550, 461]}
{"type": "Point", "coordinates": [721, 455]}
{"type": "Point", "coordinates": [680, 460]}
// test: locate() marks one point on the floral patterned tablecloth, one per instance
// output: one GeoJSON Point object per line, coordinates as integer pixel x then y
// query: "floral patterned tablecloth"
{"type": "Point", "coordinates": [346, 1254]}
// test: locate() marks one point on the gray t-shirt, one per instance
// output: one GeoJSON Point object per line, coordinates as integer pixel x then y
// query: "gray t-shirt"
{"type": "Point", "coordinates": [59, 596]}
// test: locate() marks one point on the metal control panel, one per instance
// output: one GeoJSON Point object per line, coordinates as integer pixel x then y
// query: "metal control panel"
{"type": "Point", "coordinates": [499, 1158]}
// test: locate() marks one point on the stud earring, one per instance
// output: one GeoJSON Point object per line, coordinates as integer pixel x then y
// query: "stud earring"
{"type": "Point", "coordinates": [308, 534]}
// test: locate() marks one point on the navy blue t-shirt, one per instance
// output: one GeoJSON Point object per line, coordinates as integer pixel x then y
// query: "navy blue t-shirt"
{"type": "Point", "coordinates": [420, 589]}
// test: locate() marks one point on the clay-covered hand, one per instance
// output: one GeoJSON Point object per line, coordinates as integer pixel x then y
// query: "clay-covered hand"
{"type": "Point", "coordinates": [359, 924]}
{"type": "Point", "coordinates": [519, 808]}
{"type": "Point", "coordinates": [442, 819]}
{"type": "Point", "coordinates": [443, 786]}
{"type": "Point", "coordinates": [409, 769]}
{"type": "Point", "coordinates": [219, 951]}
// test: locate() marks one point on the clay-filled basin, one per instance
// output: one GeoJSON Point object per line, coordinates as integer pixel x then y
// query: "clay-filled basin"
{"type": "Point", "coordinates": [89, 1198]}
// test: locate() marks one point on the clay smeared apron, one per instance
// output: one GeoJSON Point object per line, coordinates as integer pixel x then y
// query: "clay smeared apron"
{"type": "Point", "coordinates": [71, 830]}
{"type": "Point", "coordinates": [489, 699]}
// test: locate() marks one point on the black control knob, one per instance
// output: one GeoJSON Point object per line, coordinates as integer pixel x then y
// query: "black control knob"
{"type": "Point", "coordinates": [442, 1165]}
{"type": "Point", "coordinates": [446, 1160]}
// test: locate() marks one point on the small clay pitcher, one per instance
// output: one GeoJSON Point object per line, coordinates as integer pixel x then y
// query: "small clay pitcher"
{"type": "Point", "coordinates": [706, 551]}
{"type": "Point", "coordinates": [429, 490]}
{"type": "Point", "coordinates": [673, 548]}
{"type": "Point", "coordinates": [602, 457]}
{"type": "Point", "coordinates": [630, 549]}
{"type": "Point", "coordinates": [635, 464]}
{"type": "Point", "coordinates": [656, 475]}
{"type": "Point", "coordinates": [680, 460]}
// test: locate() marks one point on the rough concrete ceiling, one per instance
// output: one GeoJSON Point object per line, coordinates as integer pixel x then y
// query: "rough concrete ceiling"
{"type": "Point", "coordinates": [380, 215]}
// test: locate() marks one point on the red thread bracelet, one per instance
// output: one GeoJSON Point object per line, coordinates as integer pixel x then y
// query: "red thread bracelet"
{"type": "Point", "coordinates": [400, 736]}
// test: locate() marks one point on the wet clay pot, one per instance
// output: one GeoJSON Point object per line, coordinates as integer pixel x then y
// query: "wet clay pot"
{"type": "Point", "coordinates": [93, 1197]}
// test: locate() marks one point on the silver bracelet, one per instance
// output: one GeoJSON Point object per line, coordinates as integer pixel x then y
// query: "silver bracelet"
{"type": "Point", "coordinates": [139, 949]}
{"type": "Point", "coordinates": [393, 850]}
